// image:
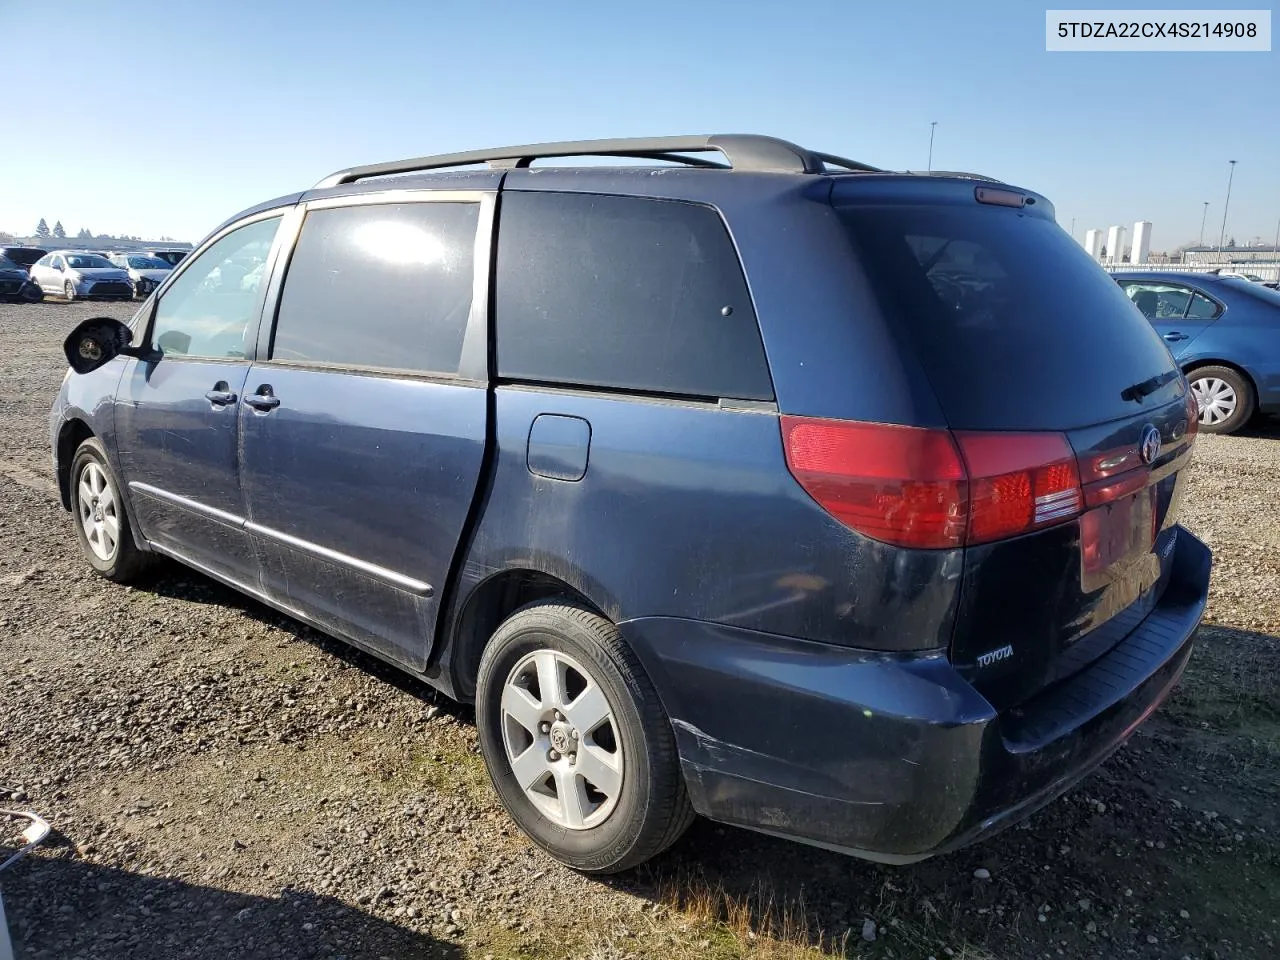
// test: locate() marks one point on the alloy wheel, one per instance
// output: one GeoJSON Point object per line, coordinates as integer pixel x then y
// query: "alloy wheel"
{"type": "Point", "coordinates": [99, 512]}
{"type": "Point", "coordinates": [561, 740]}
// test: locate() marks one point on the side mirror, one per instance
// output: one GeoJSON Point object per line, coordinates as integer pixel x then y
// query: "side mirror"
{"type": "Point", "coordinates": [95, 342]}
{"type": "Point", "coordinates": [58, 267]}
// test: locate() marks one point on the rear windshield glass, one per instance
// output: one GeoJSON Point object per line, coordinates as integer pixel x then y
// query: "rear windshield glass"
{"type": "Point", "coordinates": [1016, 327]}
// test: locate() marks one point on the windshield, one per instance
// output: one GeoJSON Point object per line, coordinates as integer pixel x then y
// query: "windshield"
{"type": "Point", "coordinates": [6, 263]}
{"type": "Point", "coordinates": [87, 261]}
{"type": "Point", "coordinates": [1255, 290]}
{"type": "Point", "coordinates": [149, 263]}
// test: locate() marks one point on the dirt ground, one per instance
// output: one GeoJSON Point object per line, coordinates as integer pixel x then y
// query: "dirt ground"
{"type": "Point", "coordinates": [224, 782]}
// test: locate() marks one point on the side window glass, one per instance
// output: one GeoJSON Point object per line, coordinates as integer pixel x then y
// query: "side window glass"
{"type": "Point", "coordinates": [58, 264]}
{"type": "Point", "coordinates": [1159, 301]}
{"type": "Point", "coordinates": [208, 310]}
{"type": "Point", "coordinates": [624, 293]}
{"type": "Point", "coordinates": [383, 286]}
{"type": "Point", "coordinates": [1202, 308]}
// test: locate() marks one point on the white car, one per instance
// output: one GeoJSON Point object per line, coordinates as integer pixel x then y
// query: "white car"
{"type": "Point", "coordinates": [74, 274]}
{"type": "Point", "coordinates": [147, 273]}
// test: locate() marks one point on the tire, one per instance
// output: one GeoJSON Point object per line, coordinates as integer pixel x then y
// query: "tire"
{"type": "Point", "coordinates": [642, 806]}
{"type": "Point", "coordinates": [96, 506]}
{"type": "Point", "coordinates": [1225, 396]}
{"type": "Point", "coordinates": [69, 291]}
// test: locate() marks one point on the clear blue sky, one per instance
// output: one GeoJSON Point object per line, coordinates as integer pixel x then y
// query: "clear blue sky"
{"type": "Point", "coordinates": [192, 111]}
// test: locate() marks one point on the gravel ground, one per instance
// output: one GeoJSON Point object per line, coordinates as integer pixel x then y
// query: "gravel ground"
{"type": "Point", "coordinates": [225, 782]}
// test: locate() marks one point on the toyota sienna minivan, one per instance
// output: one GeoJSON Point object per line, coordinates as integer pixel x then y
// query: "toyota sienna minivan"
{"type": "Point", "coordinates": [752, 482]}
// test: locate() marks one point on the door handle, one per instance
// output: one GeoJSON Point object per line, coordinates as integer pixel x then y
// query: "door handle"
{"type": "Point", "coordinates": [220, 395]}
{"type": "Point", "coordinates": [1175, 335]}
{"type": "Point", "coordinates": [263, 399]}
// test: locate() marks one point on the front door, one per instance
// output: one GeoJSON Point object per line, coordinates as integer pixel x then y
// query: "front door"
{"type": "Point", "coordinates": [176, 417]}
{"type": "Point", "coordinates": [363, 431]}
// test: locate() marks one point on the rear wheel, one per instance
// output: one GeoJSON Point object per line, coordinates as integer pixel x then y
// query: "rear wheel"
{"type": "Point", "coordinates": [575, 741]}
{"type": "Point", "coordinates": [1225, 398]}
{"type": "Point", "coordinates": [102, 525]}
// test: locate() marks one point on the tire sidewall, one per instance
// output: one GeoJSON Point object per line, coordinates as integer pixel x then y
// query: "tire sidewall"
{"type": "Point", "coordinates": [91, 452]}
{"type": "Point", "coordinates": [596, 848]}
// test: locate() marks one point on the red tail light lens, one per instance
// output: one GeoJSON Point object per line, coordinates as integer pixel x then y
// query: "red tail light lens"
{"type": "Point", "coordinates": [929, 489]}
{"type": "Point", "coordinates": [902, 485]}
{"type": "Point", "coordinates": [1018, 482]}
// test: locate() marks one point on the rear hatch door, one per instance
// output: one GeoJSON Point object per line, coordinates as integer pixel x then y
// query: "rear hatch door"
{"type": "Point", "coordinates": [1020, 332]}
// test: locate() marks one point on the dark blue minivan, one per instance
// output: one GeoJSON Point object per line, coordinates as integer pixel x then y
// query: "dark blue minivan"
{"type": "Point", "coordinates": [748, 481]}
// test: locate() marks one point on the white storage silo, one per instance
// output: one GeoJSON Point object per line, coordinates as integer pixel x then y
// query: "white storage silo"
{"type": "Point", "coordinates": [1141, 241]}
{"type": "Point", "coordinates": [1115, 244]}
{"type": "Point", "coordinates": [1093, 243]}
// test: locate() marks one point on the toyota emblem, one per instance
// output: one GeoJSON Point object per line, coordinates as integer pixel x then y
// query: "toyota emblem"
{"type": "Point", "coordinates": [1149, 445]}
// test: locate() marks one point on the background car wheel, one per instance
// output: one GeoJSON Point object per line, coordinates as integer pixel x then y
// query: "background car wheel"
{"type": "Point", "coordinates": [102, 525]}
{"type": "Point", "coordinates": [577, 745]}
{"type": "Point", "coordinates": [1225, 398]}
{"type": "Point", "coordinates": [69, 291]}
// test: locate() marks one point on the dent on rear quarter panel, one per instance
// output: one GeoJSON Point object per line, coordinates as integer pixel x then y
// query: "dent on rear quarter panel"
{"type": "Point", "coordinates": [688, 510]}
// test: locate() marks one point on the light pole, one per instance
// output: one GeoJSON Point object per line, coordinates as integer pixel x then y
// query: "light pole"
{"type": "Point", "coordinates": [1275, 250]}
{"type": "Point", "coordinates": [932, 124]}
{"type": "Point", "coordinates": [1204, 216]}
{"type": "Point", "coordinates": [1223, 235]}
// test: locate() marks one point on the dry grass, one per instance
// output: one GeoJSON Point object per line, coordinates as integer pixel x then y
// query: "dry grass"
{"type": "Point", "coordinates": [758, 926]}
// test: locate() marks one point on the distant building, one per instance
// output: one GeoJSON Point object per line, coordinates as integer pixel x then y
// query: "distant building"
{"type": "Point", "coordinates": [1211, 255]}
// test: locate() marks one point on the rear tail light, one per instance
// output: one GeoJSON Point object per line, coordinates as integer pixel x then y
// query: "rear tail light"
{"type": "Point", "coordinates": [902, 485]}
{"type": "Point", "coordinates": [1018, 482]}
{"type": "Point", "coordinates": [929, 488]}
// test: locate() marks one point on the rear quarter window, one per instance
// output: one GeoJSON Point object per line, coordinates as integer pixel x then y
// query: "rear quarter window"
{"type": "Point", "coordinates": [1015, 326]}
{"type": "Point", "coordinates": [624, 293]}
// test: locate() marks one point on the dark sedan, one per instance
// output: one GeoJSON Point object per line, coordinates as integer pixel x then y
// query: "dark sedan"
{"type": "Point", "coordinates": [16, 285]}
{"type": "Point", "coordinates": [1224, 332]}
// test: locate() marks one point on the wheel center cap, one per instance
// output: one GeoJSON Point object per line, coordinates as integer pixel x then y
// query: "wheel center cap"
{"type": "Point", "coordinates": [561, 738]}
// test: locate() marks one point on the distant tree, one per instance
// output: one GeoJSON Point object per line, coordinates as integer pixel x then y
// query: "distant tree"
{"type": "Point", "coordinates": [84, 234]}
{"type": "Point", "coordinates": [58, 231]}
{"type": "Point", "coordinates": [6, 237]}
{"type": "Point", "coordinates": [42, 229]}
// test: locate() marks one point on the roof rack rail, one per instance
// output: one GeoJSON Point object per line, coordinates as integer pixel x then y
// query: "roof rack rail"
{"type": "Point", "coordinates": [741, 151]}
{"type": "Point", "coordinates": [961, 174]}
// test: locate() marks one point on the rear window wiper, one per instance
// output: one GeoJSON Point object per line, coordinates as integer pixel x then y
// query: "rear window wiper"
{"type": "Point", "coordinates": [1147, 387]}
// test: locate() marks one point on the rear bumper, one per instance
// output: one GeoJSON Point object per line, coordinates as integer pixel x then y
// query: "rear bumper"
{"type": "Point", "coordinates": [897, 758]}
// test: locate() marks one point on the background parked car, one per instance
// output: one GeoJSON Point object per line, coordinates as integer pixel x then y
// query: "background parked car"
{"type": "Point", "coordinates": [22, 256]}
{"type": "Point", "coordinates": [146, 272]}
{"type": "Point", "coordinates": [74, 274]}
{"type": "Point", "coordinates": [16, 285]}
{"type": "Point", "coordinates": [1224, 332]}
{"type": "Point", "coordinates": [171, 257]}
